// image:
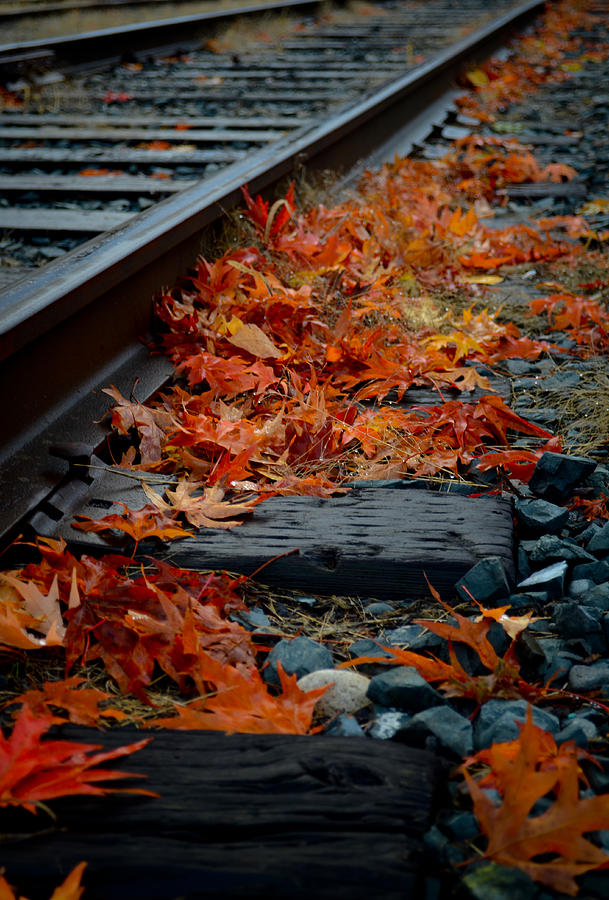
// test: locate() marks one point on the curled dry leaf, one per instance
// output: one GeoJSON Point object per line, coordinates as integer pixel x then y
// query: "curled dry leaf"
{"type": "Point", "coordinates": [209, 510]}
{"type": "Point", "coordinates": [24, 609]}
{"type": "Point", "coordinates": [253, 339]}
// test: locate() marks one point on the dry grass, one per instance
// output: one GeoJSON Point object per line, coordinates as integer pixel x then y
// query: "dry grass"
{"type": "Point", "coordinates": [337, 621]}
{"type": "Point", "coordinates": [582, 411]}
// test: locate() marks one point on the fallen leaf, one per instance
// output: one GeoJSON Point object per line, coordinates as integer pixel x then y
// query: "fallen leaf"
{"type": "Point", "coordinates": [519, 837]}
{"type": "Point", "coordinates": [253, 339]}
{"type": "Point", "coordinates": [34, 771]}
{"type": "Point", "coordinates": [207, 511]}
{"type": "Point", "coordinates": [138, 524]}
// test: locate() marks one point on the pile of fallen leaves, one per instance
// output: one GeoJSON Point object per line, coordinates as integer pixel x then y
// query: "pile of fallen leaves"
{"type": "Point", "coordinates": [291, 353]}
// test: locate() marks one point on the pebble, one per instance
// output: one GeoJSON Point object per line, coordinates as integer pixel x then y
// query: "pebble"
{"type": "Point", "coordinates": [347, 692]}
{"type": "Point", "coordinates": [573, 620]}
{"type": "Point", "coordinates": [403, 688]}
{"type": "Point", "coordinates": [461, 825]}
{"type": "Point", "coordinates": [526, 601]}
{"type": "Point", "coordinates": [379, 608]}
{"type": "Point", "coordinates": [599, 542]}
{"type": "Point", "coordinates": [590, 678]}
{"type": "Point", "coordinates": [599, 481]}
{"type": "Point", "coordinates": [367, 647]}
{"type": "Point", "coordinates": [487, 581]}
{"type": "Point", "coordinates": [578, 729]}
{"type": "Point", "coordinates": [453, 731]}
{"type": "Point", "coordinates": [550, 548]}
{"type": "Point", "coordinates": [404, 636]}
{"type": "Point", "coordinates": [388, 724]}
{"type": "Point", "coordinates": [537, 517]}
{"type": "Point", "coordinates": [580, 586]}
{"type": "Point", "coordinates": [345, 726]}
{"type": "Point", "coordinates": [556, 475]}
{"type": "Point", "coordinates": [298, 656]}
{"type": "Point", "coordinates": [497, 721]}
{"type": "Point", "coordinates": [550, 579]}
{"type": "Point", "coordinates": [252, 618]}
{"type": "Point", "coordinates": [598, 572]}
{"type": "Point", "coordinates": [598, 595]}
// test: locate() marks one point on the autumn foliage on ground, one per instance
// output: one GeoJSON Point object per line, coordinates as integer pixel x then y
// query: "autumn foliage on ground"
{"type": "Point", "coordinates": [298, 356]}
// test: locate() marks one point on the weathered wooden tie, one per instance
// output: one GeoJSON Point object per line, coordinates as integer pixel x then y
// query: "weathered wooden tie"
{"type": "Point", "coordinates": [371, 542]}
{"type": "Point", "coordinates": [239, 816]}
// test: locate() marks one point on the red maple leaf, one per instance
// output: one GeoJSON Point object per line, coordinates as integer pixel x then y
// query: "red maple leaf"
{"type": "Point", "coordinates": [33, 771]}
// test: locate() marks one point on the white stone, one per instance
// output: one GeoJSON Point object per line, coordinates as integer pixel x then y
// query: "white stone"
{"type": "Point", "coordinates": [347, 693]}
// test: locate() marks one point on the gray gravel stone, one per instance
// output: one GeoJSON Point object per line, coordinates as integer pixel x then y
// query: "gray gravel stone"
{"type": "Point", "coordinates": [453, 731]}
{"type": "Point", "coordinates": [550, 548]}
{"type": "Point", "coordinates": [599, 481]}
{"type": "Point", "coordinates": [461, 825]}
{"type": "Point", "coordinates": [403, 688]}
{"type": "Point", "coordinates": [518, 366]}
{"type": "Point", "coordinates": [345, 726]}
{"type": "Point", "coordinates": [487, 581]}
{"type": "Point", "coordinates": [368, 647]}
{"type": "Point", "coordinates": [523, 566]}
{"type": "Point", "coordinates": [550, 579]}
{"type": "Point", "coordinates": [538, 517]}
{"type": "Point", "coordinates": [556, 475]}
{"type": "Point", "coordinates": [298, 656]}
{"type": "Point", "coordinates": [580, 587]}
{"type": "Point", "coordinates": [388, 724]}
{"type": "Point", "coordinates": [572, 620]}
{"type": "Point", "coordinates": [379, 608]}
{"type": "Point", "coordinates": [588, 533]}
{"type": "Point", "coordinates": [578, 729]}
{"type": "Point", "coordinates": [599, 542]}
{"type": "Point", "coordinates": [598, 572]}
{"type": "Point", "coordinates": [404, 636]}
{"type": "Point", "coordinates": [497, 721]}
{"type": "Point", "coordinates": [527, 601]}
{"type": "Point", "coordinates": [590, 678]}
{"type": "Point", "coordinates": [598, 595]}
{"type": "Point", "coordinates": [252, 618]}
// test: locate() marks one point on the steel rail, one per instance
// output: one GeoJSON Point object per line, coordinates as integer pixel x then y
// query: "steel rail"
{"type": "Point", "coordinates": [25, 12]}
{"type": "Point", "coordinates": [75, 326]}
{"type": "Point", "coordinates": [108, 44]}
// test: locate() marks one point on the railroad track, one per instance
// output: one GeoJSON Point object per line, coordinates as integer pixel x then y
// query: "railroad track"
{"type": "Point", "coordinates": [148, 129]}
{"type": "Point", "coordinates": [322, 817]}
{"type": "Point", "coordinates": [62, 335]}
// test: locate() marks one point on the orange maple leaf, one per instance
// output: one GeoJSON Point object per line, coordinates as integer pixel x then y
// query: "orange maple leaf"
{"type": "Point", "coordinates": [139, 524]}
{"type": "Point", "coordinates": [243, 703]}
{"type": "Point", "coordinates": [515, 837]}
{"type": "Point", "coordinates": [81, 704]}
{"type": "Point", "coordinates": [33, 771]}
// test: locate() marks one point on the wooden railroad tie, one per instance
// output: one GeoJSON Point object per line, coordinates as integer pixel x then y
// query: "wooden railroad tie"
{"type": "Point", "coordinates": [256, 816]}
